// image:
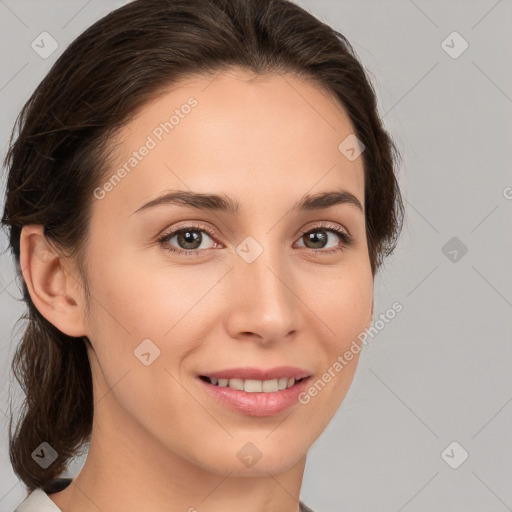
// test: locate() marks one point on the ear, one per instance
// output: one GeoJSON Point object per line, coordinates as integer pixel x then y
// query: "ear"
{"type": "Point", "coordinates": [54, 290]}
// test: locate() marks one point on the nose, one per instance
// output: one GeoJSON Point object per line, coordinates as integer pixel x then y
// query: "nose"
{"type": "Point", "coordinates": [263, 305]}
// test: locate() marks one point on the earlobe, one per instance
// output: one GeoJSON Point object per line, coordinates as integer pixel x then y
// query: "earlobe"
{"type": "Point", "coordinates": [55, 292]}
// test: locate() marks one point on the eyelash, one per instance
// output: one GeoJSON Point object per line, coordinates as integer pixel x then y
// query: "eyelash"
{"type": "Point", "coordinates": [346, 239]}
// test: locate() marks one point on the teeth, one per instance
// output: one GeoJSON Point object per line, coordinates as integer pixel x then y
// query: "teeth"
{"type": "Point", "coordinates": [252, 386]}
{"type": "Point", "coordinates": [282, 383]}
{"type": "Point", "coordinates": [255, 386]}
{"type": "Point", "coordinates": [236, 384]}
{"type": "Point", "coordinates": [270, 386]}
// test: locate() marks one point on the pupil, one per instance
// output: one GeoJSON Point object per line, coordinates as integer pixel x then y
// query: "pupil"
{"type": "Point", "coordinates": [190, 237]}
{"type": "Point", "coordinates": [316, 239]}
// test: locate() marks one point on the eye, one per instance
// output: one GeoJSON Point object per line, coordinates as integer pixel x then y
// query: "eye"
{"type": "Point", "coordinates": [317, 239]}
{"type": "Point", "coordinates": [189, 240]}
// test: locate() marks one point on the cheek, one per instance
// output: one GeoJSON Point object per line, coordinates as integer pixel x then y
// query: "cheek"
{"type": "Point", "coordinates": [170, 306]}
{"type": "Point", "coordinates": [344, 307]}
{"type": "Point", "coordinates": [138, 299]}
{"type": "Point", "coordinates": [343, 303]}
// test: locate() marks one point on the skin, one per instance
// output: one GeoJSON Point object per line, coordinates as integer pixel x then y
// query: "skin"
{"type": "Point", "coordinates": [159, 442]}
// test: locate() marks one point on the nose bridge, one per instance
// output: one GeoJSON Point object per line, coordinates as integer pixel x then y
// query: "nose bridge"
{"type": "Point", "coordinates": [263, 289]}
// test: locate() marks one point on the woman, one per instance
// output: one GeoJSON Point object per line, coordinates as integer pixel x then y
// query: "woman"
{"type": "Point", "coordinates": [199, 196]}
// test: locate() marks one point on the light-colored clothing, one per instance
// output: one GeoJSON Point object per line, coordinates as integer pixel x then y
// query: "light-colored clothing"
{"type": "Point", "coordinates": [37, 501]}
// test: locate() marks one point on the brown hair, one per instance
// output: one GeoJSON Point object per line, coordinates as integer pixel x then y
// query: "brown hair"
{"type": "Point", "coordinates": [60, 155]}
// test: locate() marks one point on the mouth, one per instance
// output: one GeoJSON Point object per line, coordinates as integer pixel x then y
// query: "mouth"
{"type": "Point", "coordinates": [254, 385]}
{"type": "Point", "coordinates": [256, 392]}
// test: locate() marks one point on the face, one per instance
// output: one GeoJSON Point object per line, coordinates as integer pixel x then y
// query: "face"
{"type": "Point", "coordinates": [260, 286]}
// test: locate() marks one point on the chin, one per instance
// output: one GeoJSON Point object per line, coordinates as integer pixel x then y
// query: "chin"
{"type": "Point", "coordinates": [255, 458]}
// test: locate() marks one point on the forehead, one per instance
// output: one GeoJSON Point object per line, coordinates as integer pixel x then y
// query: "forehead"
{"type": "Point", "coordinates": [233, 132]}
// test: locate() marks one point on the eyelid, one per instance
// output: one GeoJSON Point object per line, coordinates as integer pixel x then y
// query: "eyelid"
{"type": "Point", "coordinates": [338, 229]}
{"type": "Point", "coordinates": [324, 225]}
{"type": "Point", "coordinates": [192, 225]}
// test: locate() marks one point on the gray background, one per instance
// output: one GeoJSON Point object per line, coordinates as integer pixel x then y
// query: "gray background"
{"type": "Point", "coordinates": [440, 371]}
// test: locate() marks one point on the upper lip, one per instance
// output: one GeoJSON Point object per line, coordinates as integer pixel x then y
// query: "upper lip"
{"type": "Point", "coordinates": [259, 373]}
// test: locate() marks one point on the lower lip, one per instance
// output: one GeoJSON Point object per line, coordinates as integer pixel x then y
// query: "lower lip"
{"type": "Point", "coordinates": [257, 404]}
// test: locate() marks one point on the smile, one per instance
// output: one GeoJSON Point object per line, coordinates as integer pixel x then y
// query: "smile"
{"type": "Point", "coordinates": [252, 385]}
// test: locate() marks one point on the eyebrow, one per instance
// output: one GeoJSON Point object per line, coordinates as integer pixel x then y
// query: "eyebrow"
{"type": "Point", "coordinates": [224, 203]}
